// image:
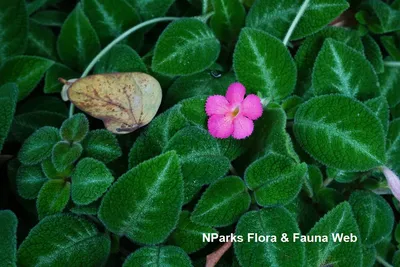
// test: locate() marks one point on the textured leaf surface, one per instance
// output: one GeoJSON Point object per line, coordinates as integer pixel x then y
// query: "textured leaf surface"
{"type": "Point", "coordinates": [101, 145]}
{"type": "Point", "coordinates": [373, 53]}
{"type": "Point", "coordinates": [41, 42]}
{"type": "Point", "coordinates": [50, 171]}
{"type": "Point", "coordinates": [390, 82]}
{"type": "Point", "coordinates": [8, 103]}
{"type": "Point", "coordinates": [274, 221]}
{"type": "Point", "coordinates": [393, 146]}
{"type": "Point", "coordinates": [75, 128]}
{"type": "Point", "coordinates": [8, 237]}
{"type": "Point", "coordinates": [52, 198]}
{"type": "Point", "coordinates": [186, 46]}
{"type": "Point", "coordinates": [90, 180]}
{"type": "Point", "coordinates": [149, 9]}
{"type": "Point", "coordinates": [30, 180]}
{"type": "Point", "coordinates": [380, 108]}
{"type": "Point", "coordinates": [158, 257]}
{"type": "Point", "coordinates": [382, 18]}
{"type": "Point", "coordinates": [340, 132]}
{"type": "Point", "coordinates": [65, 154]}
{"type": "Point", "coordinates": [228, 19]}
{"type": "Point", "coordinates": [51, 82]}
{"type": "Point", "coordinates": [144, 204]}
{"type": "Point", "coordinates": [49, 18]}
{"type": "Point", "coordinates": [263, 64]}
{"type": "Point", "coordinates": [64, 240]}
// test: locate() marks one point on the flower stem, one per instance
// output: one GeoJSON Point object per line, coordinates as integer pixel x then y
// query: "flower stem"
{"type": "Point", "coordinates": [296, 21]}
{"type": "Point", "coordinates": [117, 40]}
{"type": "Point", "coordinates": [392, 63]}
{"type": "Point", "coordinates": [382, 261]}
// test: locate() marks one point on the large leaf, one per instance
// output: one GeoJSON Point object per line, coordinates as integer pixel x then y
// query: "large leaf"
{"type": "Point", "coordinates": [263, 64]}
{"type": "Point", "coordinates": [64, 240]}
{"type": "Point", "coordinates": [77, 43]}
{"type": "Point", "coordinates": [158, 257]}
{"type": "Point", "coordinates": [144, 204]}
{"type": "Point", "coordinates": [390, 82]}
{"type": "Point", "coordinates": [186, 47]}
{"type": "Point", "coordinates": [52, 197]}
{"type": "Point", "coordinates": [275, 16]}
{"type": "Point", "coordinates": [380, 108]}
{"type": "Point", "coordinates": [335, 73]}
{"type": "Point", "coordinates": [339, 221]}
{"type": "Point", "coordinates": [268, 222]}
{"type": "Point", "coordinates": [13, 27]}
{"type": "Point", "coordinates": [341, 133]}
{"type": "Point", "coordinates": [30, 180]}
{"type": "Point", "coordinates": [41, 42]}
{"type": "Point", "coordinates": [8, 237]}
{"type": "Point", "coordinates": [8, 103]}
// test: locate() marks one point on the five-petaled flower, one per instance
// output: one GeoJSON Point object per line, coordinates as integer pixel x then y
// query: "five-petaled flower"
{"type": "Point", "coordinates": [233, 115]}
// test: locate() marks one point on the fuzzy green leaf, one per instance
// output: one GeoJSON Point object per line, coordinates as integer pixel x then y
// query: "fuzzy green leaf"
{"type": "Point", "coordinates": [391, 44]}
{"type": "Point", "coordinates": [275, 16]}
{"type": "Point", "coordinates": [273, 72]}
{"type": "Point", "coordinates": [25, 71]}
{"type": "Point", "coordinates": [64, 240]}
{"type": "Point", "coordinates": [381, 17]}
{"type": "Point", "coordinates": [50, 171]}
{"type": "Point", "coordinates": [149, 9]}
{"type": "Point", "coordinates": [77, 43]}
{"type": "Point", "coordinates": [390, 84]}
{"type": "Point", "coordinates": [144, 204]}
{"type": "Point", "coordinates": [52, 198]}
{"type": "Point", "coordinates": [341, 133]}
{"type": "Point", "coordinates": [51, 82]}
{"type": "Point", "coordinates": [393, 146]}
{"type": "Point", "coordinates": [41, 42]}
{"type": "Point", "coordinates": [380, 108]}
{"type": "Point", "coordinates": [53, 18]}
{"type": "Point", "coordinates": [8, 237]}
{"type": "Point", "coordinates": [90, 209]}
{"type": "Point", "coordinates": [65, 154]}
{"type": "Point", "coordinates": [30, 180]}
{"type": "Point", "coordinates": [341, 69]}
{"type": "Point", "coordinates": [75, 128]}
{"type": "Point", "coordinates": [187, 46]}
{"type": "Point", "coordinates": [373, 53]}
{"type": "Point", "coordinates": [39, 145]}
{"type": "Point", "coordinates": [276, 221]}
{"type": "Point", "coordinates": [8, 103]}
{"type": "Point", "coordinates": [158, 257]}
{"type": "Point", "coordinates": [340, 220]}
{"type": "Point", "coordinates": [222, 203]}
{"type": "Point", "coordinates": [374, 216]}
{"type": "Point", "coordinates": [228, 19]}
{"type": "Point", "coordinates": [101, 145]}
{"type": "Point", "coordinates": [90, 181]}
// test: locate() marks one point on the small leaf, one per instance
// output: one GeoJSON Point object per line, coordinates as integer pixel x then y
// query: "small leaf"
{"type": "Point", "coordinates": [64, 240]}
{"type": "Point", "coordinates": [77, 43]}
{"type": "Point", "coordinates": [390, 82]}
{"type": "Point", "coordinates": [38, 146]}
{"type": "Point", "coordinates": [222, 203]}
{"type": "Point", "coordinates": [373, 53]}
{"type": "Point", "coordinates": [391, 44]}
{"type": "Point", "coordinates": [25, 71]}
{"type": "Point", "coordinates": [228, 19]}
{"type": "Point", "coordinates": [51, 82]}
{"type": "Point", "coordinates": [30, 180]}
{"type": "Point", "coordinates": [380, 108]}
{"type": "Point", "coordinates": [50, 171]}
{"type": "Point", "coordinates": [341, 176]}
{"type": "Point", "coordinates": [144, 204]}
{"type": "Point", "coordinates": [49, 18]}
{"type": "Point", "coordinates": [315, 178]}
{"type": "Point", "coordinates": [333, 73]}
{"type": "Point", "coordinates": [101, 145]}
{"type": "Point", "coordinates": [381, 17]}
{"type": "Point", "coordinates": [52, 198]}
{"type": "Point", "coordinates": [8, 103]}
{"type": "Point", "coordinates": [268, 222]}
{"type": "Point", "coordinates": [75, 128]}
{"type": "Point", "coordinates": [189, 235]}
{"type": "Point", "coordinates": [273, 72]}
{"type": "Point", "coordinates": [41, 42]}
{"type": "Point", "coordinates": [339, 220]}
{"type": "Point", "coordinates": [8, 237]}
{"type": "Point", "coordinates": [374, 216]}
{"type": "Point", "coordinates": [65, 154]}
{"type": "Point", "coordinates": [150, 9]}
{"type": "Point", "coordinates": [341, 133]}
{"type": "Point", "coordinates": [90, 181]}
{"type": "Point", "coordinates": [187, 46]}
{"type": "Point", "coordinates": [275, 179]}
{"type": "Point", "coordinates": [158, 256]}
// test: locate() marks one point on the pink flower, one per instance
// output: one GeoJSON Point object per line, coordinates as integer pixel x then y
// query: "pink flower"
{"type": "Point", "coordinates": [393, 182]}
{"type": "Point", "coordinates": [233, 115]}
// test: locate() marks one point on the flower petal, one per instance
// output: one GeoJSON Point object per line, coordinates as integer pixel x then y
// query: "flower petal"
{"type": "Point", "coordinates": [217, 104]}
{"type": "Point", "coordinates": [220, 126]}
{"type": "Point", "coordinates": [242, 127]}
{"type": "Point", "coordinates": [235, 93]}
{"type": "Point", "coordinates": [393, 182]}
{"type": "Point", "coordinates": [251, 107]}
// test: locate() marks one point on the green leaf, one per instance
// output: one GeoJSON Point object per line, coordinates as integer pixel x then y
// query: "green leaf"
{"type": "Point", "coordinates": [334, 73]}
{"type": "Point", "coordinates": [8, 103]}
{"type": "Point", "coordinates": [374, 216]}
{"type": "Point", "coordinates": [101, 145]}
{"type": "Point", "coordinates": [341, 176]}
{"type": "Point", "coordinates": [38, 146]}
{"type": "Point", "coordinates": [228, 19]}
{"type": "Point", "coordinates": [41, 42]}
{"type": "Point", "coordinates": [268, 222]}
{"type": "Point", "coordinates": [273, 72]}
{"type": "Point", "coordinates": [222, 203]}
{"type": "Point", "coordinates": [8, 237]}
{"type": "Point", "coordinates": [189, 235]}
{"type": "Point", "coordinates": [369, 256]}
{"type": "Point", "coordinates": [290, 105]}
{"type": "Point", "coordinates": [373, 53]}
{"type": "Point", "coordinates": [90, 180]}
{"type": "Point", "coordinates": [30, 180]}
{"type": "Point", "coordinates": [315, 177]}
{"type": "Point", "coordinates": [64, 240]}
{"type": "Point", "coordinates": [65, 154]}
{"type": "Point", "coordinates": [341, 133]}
{"type": "Point", "coordinates": [25, 71]}
{"type": "Point", "coordinates": [90, 209]}
{"type": "Point", "coordinates": [51, 82]}
{"type": "Point", "coordinates": [75, 128]}
{"type": "Point", "coordinates": [380, 108]}
{"type": "Point", "coordinates": [390, 82]}
{"type": "Point", "coordinates": [144, 204]}
{"type": "Point", "coordinates": [49, 18]}
{"type": "Point", "coordinates": [391, 44]}
{"type": "Point", "coordinates": [339, 220]}
{"type": "Point", "coordinates": [187, 46]}
{"type": "Point", "coordinates": [14, 28]}
{"type": "Point", "coordinates": [158, 257]}
{"type": "Point", "coordinates": [35, 5]}
{"type": "Point", "coordinates": [396, 258]}
{"type": "Point", "coordinates": [380, 16]}
{"type": "Point", "coordinates": [110, 18]}
{"type": "Point", "coordinates": [149, 9]}
{"type": "Point", "coordinates": [276, 16]}
{"type": "Point", "coordinates": [77, 43]}
{"type": "Point", "coordinates": [393, 146]}
{"type": "Point", "coordinates": [121, 58]}
{"type": "Point", "coordinates": [275, 179]}
{"type": "Point", "coordinates": [53, 197]}
{"type": "Point", "coordinates": [50, 171]}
